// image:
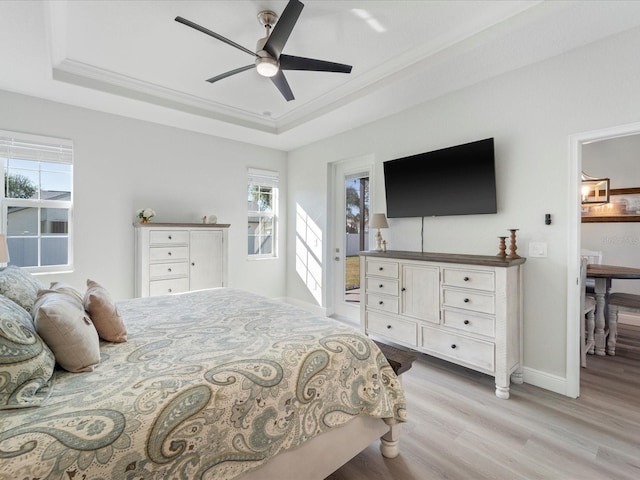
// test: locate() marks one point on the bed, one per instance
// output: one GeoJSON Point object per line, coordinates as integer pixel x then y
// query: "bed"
{"type": "Point", "coordinates": [211, 384]}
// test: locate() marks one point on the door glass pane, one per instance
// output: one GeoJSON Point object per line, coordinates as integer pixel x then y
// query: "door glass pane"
{"type": "Point", "coordinates": [356, 233]}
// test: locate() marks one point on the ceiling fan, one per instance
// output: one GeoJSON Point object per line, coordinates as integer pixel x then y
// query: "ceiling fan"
{"type": "Point", "coordinates": [270, 61]}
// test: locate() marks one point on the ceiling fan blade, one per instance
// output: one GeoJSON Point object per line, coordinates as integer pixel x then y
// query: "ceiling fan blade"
{"type": "Point", "coordinates": [283, 28]}
{"type": "Point", "coordinates": [215, 35]}
{"type": "Point", "coordinates": [289, 62]}
{"type": "Point", "coordinates": [231, 72]}
{"type": "Point", "coordinates": [281, 83]}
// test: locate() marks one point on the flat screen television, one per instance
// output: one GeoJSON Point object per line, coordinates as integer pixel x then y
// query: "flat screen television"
{"type": "Point", "coordinates": [457, 180]}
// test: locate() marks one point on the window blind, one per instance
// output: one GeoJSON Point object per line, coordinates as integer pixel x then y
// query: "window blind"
{"type": "Point", "coordinates": [22, 146]}
{"type": "Point", "coordinates": [265, 178]}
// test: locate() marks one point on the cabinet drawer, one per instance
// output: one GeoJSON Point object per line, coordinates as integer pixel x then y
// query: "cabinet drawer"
{"type": "Point", "coordinates": [469, 300]}
{"type": "Point", "coordinates": [469, 322]}
{"type": "Point", "coordinates": [475, 353]}
{"type": "Point", "coordinates": [382, 285]}
{"type": "Point", "coordinates": [403, 331]}
{"type": "Point", "coordinates": [165, 254]}
{"type": "Point", "coordinates": [164, 287]}
{"type": "Point", "coordinates": [469, 278]}
{"type": "Point", "coordinates": [168, 237]}
{"type": "Point", "coordinates": [382, 269]}
{"type": "Point", "coordinates": [386, 303]}
{"type": "Point", "coordinates": [168, 270]}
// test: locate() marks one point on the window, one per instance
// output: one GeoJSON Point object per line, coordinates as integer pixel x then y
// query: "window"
{"type": "Point", "coordinates": [262, 205]}
{"type": "Point", "coordinates": [37, 200]}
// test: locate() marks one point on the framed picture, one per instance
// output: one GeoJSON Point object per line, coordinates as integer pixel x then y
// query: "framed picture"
{"type": "Point", "coordinates": [624, 206]}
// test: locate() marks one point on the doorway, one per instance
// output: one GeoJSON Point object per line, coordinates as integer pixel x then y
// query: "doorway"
{"type": "Point", "coordinates": [577, 143]}
{"type": "Point", "coordinates": [352, 200]}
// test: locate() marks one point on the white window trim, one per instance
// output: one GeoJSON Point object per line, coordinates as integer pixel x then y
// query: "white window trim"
{"type": "Point", "coordinates": [53, 150]}
{"type": "Point", "coordinates": [266, 178]}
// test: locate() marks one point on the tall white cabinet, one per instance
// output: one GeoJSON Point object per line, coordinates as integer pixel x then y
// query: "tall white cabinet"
{"type": "Point", "coordinates": [466, 309]}
{"type": "Point", "coordinates": [179, 257]}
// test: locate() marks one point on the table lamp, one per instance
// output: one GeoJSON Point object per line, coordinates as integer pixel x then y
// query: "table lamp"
{"type": "Point", "coordinates": [4, 250]}
{"type": "Point", "coordinates": [379, 221]}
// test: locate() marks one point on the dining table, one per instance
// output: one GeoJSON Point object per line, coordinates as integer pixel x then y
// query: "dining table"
{"type": "Point", "coordinates": [603, 274]}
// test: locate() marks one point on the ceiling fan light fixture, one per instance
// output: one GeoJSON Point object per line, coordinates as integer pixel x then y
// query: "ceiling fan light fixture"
{"type": "Point", "coordinates": [267, 66]}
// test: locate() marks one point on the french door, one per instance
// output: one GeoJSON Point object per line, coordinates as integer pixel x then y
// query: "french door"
{"type": "Point", "coordinates": [352, 200]}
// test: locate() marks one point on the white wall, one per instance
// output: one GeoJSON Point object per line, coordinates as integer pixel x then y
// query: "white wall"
{"type": "Point", "coordinates": [619, 160]}
{"type": "Point", "coordinates": [531, 113]}
{"type": "Point", "coordinates": [121, 165]}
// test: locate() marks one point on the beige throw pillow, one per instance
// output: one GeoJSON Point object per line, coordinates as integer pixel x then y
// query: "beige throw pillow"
{"type": "Point", "coordinates": [103, 313]}
{"type": "Point", "coordinates": [66, 328]}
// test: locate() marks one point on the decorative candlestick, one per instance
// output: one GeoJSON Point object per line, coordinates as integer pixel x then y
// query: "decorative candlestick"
{"type": "Point", "coordinates": [513, 246]}
{"type": "Point", "coordinates": [503, 247]}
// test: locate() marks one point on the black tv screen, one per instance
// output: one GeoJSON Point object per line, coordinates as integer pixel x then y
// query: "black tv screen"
{"type": "Point", "coordinates": [457, 180]}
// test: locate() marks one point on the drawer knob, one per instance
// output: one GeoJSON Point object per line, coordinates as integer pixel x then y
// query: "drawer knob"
{"type": "Point", "coordinates": [169, 237]}
{"type": "Point", "coordinates": [388, 326]}
{"type": "Point", "coordinates": [380, 268]}
{"type": "Point", "coordinates": [466, 322]}
{"type": "Point", "coordinates": [169, 290]}
{"type": "Point", "coordinates": [466, 279]}
{"type": "Point", "coordinates": [380, 302]}
{"type": "Point", "coordinates": [466, 300]}
{"type": "Point", "coordinates": [169, 269]}
{"type": "Point", "coordinates": [169, 253]}
{"type": "Point", "coordinates": [404, 289]}
{"type": "Point", "coordinates": [381, 286]}
{"type": "Point", "coordinates": [193, 264]}
{"type": "Point", "coordinates": [453, 346]}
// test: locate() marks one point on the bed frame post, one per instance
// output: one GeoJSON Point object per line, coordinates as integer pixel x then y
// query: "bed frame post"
{"type": "Point", "coordinates": [390, 441]}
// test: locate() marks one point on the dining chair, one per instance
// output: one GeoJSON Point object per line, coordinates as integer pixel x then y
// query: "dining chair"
{"type": "Point", "coordinates": [594, 257]}
{"type": "Point", "coordinates": [587, 316]}
{"type": "Point", "coordinates": [629, 301]}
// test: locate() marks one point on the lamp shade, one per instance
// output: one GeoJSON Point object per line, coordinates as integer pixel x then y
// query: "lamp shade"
{"type": "Point", "coordinates": [379, 220]}
{"type": "Point", "coordinates": [4, 250]}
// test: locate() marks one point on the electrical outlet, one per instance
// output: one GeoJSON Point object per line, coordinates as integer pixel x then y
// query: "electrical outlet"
{"type": "Point", "coordinates": [538, 249]}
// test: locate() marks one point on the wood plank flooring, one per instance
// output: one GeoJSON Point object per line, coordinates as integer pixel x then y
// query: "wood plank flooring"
{"type": "Point", "coordinates": [458, 428]}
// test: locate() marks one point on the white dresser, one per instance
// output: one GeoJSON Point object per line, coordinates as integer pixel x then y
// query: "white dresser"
{"type": "Point", "coordinates": [178, 257]}
{"type": "Point", "coordinates": [466, 309]}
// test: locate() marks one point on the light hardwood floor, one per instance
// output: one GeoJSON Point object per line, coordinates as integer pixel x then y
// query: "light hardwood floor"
{"type": "Point", "coordinates": [458, 428]}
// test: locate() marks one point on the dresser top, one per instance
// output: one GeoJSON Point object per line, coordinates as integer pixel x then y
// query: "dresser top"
{"type": "Point", "coordinates": [487, 260]}
{"type": "Point", "coordinates": [182, 225]}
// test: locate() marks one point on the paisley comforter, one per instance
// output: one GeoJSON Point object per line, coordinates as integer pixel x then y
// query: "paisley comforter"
{"type": "Point", "coordinates": [211, 384]}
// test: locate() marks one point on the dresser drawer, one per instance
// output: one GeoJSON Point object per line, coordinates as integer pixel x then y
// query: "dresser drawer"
{"type": "Point", "coordinates": [168, 270]}
{"type": "Point", "coordinates": [382, 269]}
{"type": "Point", "coordinates": [469, 351]}
{"type": "Point", "coordinates": [469, 322]}
{"type": "Point", "coordinates": [164, 287]}
{"type": "Point", "coordinates": [384, 285]}
{"type": "Point", "coordinates": [168, 237]}
{"type": "Point", "coordinates": [403, 331]}
{"type": "Point", "coordinates": [469, 278]}
{"type": "Point", "coordinates": [469, 300]}
{"type": "Point", "coordinates": [165, 254]}
{"type": "Point", "coordinates": [386, 303]}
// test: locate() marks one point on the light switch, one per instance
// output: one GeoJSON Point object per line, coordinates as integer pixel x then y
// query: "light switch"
{"type": "Point", "coordinates": [537, 249]}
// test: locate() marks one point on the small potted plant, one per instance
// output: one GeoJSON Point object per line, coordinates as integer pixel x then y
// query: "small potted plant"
{"type": "Point", "coordinates": [145, 215]}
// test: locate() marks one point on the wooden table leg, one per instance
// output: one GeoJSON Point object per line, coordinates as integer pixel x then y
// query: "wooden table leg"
{"type": "Point", "coordinates": [600, 336]}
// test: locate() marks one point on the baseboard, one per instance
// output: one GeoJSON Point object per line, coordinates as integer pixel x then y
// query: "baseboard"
{"type": "Point", "coordinates": [309, 307]}
{"type": "Point", "coordinates": [545, 380]}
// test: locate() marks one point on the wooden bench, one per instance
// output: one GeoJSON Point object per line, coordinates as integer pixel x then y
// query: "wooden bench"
{"type": "Point", "coordinates": [400, 360]}
{"type": "Point", "coordinates": [616, 300]}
